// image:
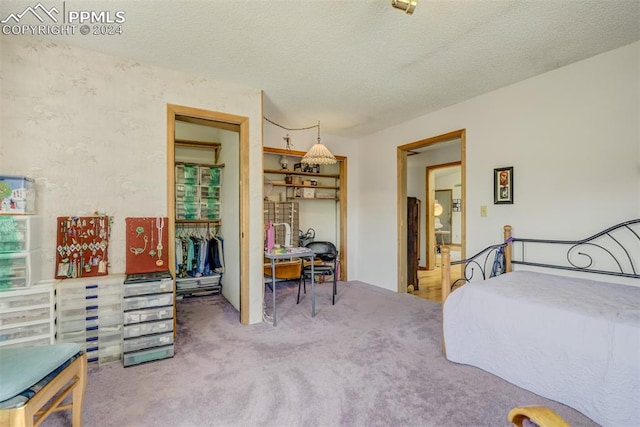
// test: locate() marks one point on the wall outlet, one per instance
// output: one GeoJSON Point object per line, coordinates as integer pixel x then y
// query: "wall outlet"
{"type": "Point", "coordinates": [483, 211]}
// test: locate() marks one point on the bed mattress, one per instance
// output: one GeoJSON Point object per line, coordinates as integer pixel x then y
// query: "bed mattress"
{"type": "Point", "coordinates": [572, 340]}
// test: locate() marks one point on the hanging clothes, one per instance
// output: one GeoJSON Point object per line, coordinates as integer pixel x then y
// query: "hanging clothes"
{"type": "Point", "coordinates": [198, 255]}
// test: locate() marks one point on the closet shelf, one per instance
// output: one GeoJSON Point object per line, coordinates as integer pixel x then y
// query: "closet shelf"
{"type": "Point", "coordinates": [198, 221]}
{"type": "Point", "coordinates": [219, 165]}
{"type": "Point", "coordinates": [288, 172]}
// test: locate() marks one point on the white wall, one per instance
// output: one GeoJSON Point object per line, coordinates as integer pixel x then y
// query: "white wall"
{"type": "Point", "coordinates": [571, 134]}
{"type": "Point", "coordinates": [91, 129]}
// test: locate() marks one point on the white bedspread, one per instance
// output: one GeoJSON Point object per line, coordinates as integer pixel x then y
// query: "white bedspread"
{"type": "Point", "coordinates": [571, 340]}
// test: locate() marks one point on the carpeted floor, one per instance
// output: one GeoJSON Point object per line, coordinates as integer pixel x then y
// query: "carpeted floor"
{"type": "Point", "coordinates": [373, 359]}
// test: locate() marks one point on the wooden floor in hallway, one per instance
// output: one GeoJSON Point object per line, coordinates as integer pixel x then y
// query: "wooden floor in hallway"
{"type": "Point", "coordinates": [429, 282]}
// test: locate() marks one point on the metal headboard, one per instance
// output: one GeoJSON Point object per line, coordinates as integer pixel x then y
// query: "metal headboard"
{"type": "Point", "coordinates": [614, 252]}
{"type": "Point", "coordinates": [482, 265]}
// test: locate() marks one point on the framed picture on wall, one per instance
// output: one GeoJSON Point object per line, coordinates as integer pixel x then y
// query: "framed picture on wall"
{"type": "Point", "coordinates": [503, 185]}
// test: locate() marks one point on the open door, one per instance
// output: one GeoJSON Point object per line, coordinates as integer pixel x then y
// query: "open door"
{"type": "Point", "coordinates": [413, 241]}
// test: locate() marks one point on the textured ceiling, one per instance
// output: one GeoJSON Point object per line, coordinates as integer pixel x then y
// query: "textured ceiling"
{"type": "Point", "coordinates": [362, 66]}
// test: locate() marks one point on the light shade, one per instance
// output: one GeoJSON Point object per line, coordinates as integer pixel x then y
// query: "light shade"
{"type": "Point", "coordinates": [318, 154]}
{"type": "Point", "coordinates": [437, 209]}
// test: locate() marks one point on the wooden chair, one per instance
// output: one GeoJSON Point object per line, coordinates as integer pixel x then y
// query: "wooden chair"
{"type": "Point", "coordinates": [529, 416]}
{"type": "Point", "coordinates": [69, 382]}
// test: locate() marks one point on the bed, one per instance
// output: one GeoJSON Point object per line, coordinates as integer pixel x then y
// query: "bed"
{"type": "Point", "coordinates": [558, 318]}
{"type": "Point", "coordinates": [37, 381]}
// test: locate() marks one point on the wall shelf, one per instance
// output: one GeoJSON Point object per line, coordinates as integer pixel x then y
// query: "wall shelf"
{"type": "Point", "coordinates": [328, 214]}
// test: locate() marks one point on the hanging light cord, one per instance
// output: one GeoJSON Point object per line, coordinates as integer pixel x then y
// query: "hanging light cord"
{"type": "Point", "coordinates": [295, 129]}
{"type": "Point", "coordinates": [286, 128]}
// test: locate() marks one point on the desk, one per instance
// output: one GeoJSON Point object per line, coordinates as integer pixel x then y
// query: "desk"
{"type": "Point", "coordinates": [441, 233]}
{"type": "Point", "coordinates": [291, 253]}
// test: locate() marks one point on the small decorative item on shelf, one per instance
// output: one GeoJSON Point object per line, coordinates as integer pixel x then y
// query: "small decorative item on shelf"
{"type": "Point", "coordinates": [288, 179]}
{"type": "Point", "coordinates": [313, 182]}
{"type": "Point", "coordinates": [302, 167]}
{"type": "Point", "coordinates": [17, 195]}
{"type": "Point", "coordinates": [284, 163]}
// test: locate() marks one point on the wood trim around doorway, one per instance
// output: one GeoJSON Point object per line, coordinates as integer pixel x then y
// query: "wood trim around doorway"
{"type": "Point", "coordinates": [223, 121]}
{"type": "Point", "coordinates": [401, 159]}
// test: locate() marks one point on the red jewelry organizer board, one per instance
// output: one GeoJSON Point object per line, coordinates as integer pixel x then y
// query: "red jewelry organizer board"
{"type": "Point", "coordinates": [147, 241]}
{"type": "Point", "coordinates": [82, 243]}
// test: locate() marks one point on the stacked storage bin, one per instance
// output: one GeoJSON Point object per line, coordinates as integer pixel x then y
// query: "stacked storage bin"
{"type": "Point", "coordinates": [90, 314]}
{"type": "Point", "coordinates": [209, 192]}
{"type": "Point", "coordinates": [187, 204]}
{"type": "Point", "coordinates": [197, 192]}
{"type": "Point", "coordinates": [27, 306]}
{"type": "Point", "coordinates": [148, 317]}
{"type": "Point", "coordinates": [27, 316]}
{"type": "Point", "coordinates": [20, 237]}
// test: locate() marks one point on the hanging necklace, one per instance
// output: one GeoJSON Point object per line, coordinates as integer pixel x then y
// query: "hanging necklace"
{"type": "Point", "coordinates": [138, 251]}
{"type": "Point", "coordinates": [152, 251]}
{"type": "Point", "coordinates": [160, 227]}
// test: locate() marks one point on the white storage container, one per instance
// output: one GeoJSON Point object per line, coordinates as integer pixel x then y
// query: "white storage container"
{"type": "Point", "coordinates": [148, 355]}
{"type": "Point", "coordinates": [138, 329]}
{"type": "Point", "coordinates": [27, 316]}
{"type": "Point", "coordinates": [148, 315]}
{"type": "Point", "coordinates": [110, 354]}
{"type": "Point", "coordinates": [148, 342]}
{"type": "Point", "coordinates": [22, 332]}
{"type": "Point", "coordinates": [146, 288]}
{"type": "Point", "coordinates": [90, 314]}
{"type": "Point", "coordinates": [136, 303]}
{"type": "Point", "coordinates": [19, 270]}
{"type": "Point", "coordinates": [26, 237]}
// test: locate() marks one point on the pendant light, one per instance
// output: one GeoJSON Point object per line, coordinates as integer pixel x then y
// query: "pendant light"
{"type": "Point", "coordinates": [318, 154]}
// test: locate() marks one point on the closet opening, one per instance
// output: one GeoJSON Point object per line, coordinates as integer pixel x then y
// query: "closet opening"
{"type": "Point", "coordinates": [207, 156]}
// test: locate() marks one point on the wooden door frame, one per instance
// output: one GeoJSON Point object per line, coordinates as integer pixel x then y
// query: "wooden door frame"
{"type": "Point", "coordinates": [204, 117]}
{"type": "Point", "coordinates": [401, 158]}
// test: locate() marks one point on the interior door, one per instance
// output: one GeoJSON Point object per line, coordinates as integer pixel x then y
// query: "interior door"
{"type": "Point", "coordinates": [413, 241]}
{"type": "Point", "coordinates": [444, 233]}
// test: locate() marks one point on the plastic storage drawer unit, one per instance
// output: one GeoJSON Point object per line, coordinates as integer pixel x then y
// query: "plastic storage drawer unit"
{"type": "Point", "coordinates": [19, 270]}
{"type": "Point", "coordinates": [90, 314]}
{"type": "Point", "coordinates": [27, 316]}
{"type": "Point", "coordinates": [148, 317]}
{"type": "Point", "coordinates": [21, 233]}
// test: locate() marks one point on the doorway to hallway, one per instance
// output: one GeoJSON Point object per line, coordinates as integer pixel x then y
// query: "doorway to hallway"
{"type": "Point", "coordinates": [445, 148]}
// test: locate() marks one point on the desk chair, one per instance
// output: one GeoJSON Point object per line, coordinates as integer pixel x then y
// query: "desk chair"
{"type": "Point", "coordinates": [327, 253]}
